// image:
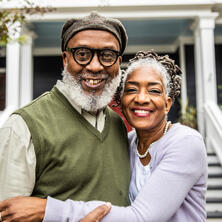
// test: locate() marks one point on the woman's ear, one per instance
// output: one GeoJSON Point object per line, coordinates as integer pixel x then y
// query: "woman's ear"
{"type": "Point", "coordinates": [169, 103]}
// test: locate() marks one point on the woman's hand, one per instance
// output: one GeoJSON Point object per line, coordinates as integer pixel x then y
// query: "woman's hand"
{"type": "Point", "coordinates": [97, 214]}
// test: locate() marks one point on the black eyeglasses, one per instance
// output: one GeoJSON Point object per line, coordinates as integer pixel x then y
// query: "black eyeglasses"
{"type": "Point", "coordinates": [84, 55]}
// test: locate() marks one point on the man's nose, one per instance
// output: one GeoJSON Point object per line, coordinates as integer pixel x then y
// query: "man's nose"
{"type": "Point", "coordinates": [94, 65]}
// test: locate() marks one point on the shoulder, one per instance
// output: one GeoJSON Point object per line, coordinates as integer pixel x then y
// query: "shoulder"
{"type": "Point", "coordinates": [111, 112]}
{"type": "Point", "coordinates": [116, 120]}
{"type": "Point", "coordinates": [16, 124]}
{"type": "Point", "coordinates": [181, 150]}
{"type": "Point", "coordinates": [184, 130]}
{"type": "Point", "coordinates": [185, 143]}
{"type": "Point", "coordinates": [34, 104]}
{"type": "Point", "coordinates": [114, 116]}
{"type": "Point", "coordinates": [180, 133]}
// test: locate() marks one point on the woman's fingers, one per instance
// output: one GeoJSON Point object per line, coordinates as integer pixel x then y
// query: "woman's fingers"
{"type": "Point", "coordinates": [97, 214]}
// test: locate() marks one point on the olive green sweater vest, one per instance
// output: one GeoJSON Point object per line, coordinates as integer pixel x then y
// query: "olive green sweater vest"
{"type": "Point", "coordinates": [75, 160]}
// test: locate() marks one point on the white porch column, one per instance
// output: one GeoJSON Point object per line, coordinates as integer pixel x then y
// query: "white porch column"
{"type": "Point", "coordinates": [12, 75]}
{"type": "Point", "coordinates": [26, 72]}
{"type": "Point", "coordinates": [184, 79]}
{"type": "Point", "coordinates": [204, 65]}
{"type": "Point", "coordinates": [12, 81]}
{"type": "Point", "coordinates": [18, 74]}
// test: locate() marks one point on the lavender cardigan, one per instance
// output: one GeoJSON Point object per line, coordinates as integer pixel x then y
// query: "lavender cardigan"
{"type": "Point", "coordinates": [175, 191]}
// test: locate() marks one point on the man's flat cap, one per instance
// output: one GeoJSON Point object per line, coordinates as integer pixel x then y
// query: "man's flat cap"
{"type": "Point", "coordinates": [94, 22]}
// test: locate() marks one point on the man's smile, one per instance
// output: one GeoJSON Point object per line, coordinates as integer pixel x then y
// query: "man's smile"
{"type": "Point", "coordinates": [94, 83]}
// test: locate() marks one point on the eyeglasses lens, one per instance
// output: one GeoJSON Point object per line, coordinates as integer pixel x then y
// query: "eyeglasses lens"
{"type": "Point", "coordinates": [107, 57]}
{"type": "Point", "coordinates": [84, 55]}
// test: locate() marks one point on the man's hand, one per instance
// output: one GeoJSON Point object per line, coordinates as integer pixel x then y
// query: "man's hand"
{"type": "Point", "coordinates": [97, 214]}
{"type": "Point", "coordinates": [23, 209]}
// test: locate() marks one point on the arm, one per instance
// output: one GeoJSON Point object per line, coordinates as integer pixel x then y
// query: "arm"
{"type": "Point", "coordinates": [168, 186]}
{"type": "Point", "coordinates": [98, 213]}
{"type": "Point", "coordinates": [17, 159]}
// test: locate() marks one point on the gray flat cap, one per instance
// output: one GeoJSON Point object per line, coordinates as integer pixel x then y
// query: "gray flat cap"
{"type": "Point", "coordinates": [94, 22]}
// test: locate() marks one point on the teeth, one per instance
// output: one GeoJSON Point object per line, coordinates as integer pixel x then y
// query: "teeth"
{"type": "Point", "coordinates": [141, 111]}
{"type": "Point", "coordinates": [93, 81]}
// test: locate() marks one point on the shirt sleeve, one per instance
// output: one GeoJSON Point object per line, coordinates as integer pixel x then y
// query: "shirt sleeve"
{"type": "Point", "coordinates": [17, 159]}
{"type": "Point", "coordinates": [159, 199]}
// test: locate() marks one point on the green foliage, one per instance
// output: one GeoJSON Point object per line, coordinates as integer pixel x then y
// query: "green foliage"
{"type": "Point", "coordinates": [189, 118]}
{"type": "Point", "coordinates": [220, 89]}
{"type": "Point", "coordinates": [12, 19]}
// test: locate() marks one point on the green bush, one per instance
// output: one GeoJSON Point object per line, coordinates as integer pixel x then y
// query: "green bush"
{"type": "Point", "coordinates": [189, 118]}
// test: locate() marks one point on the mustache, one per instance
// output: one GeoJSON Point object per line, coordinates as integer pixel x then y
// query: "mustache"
{"type": "Point", "coordinates": [80, 76]}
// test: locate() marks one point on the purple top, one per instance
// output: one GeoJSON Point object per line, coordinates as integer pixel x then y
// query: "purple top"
{"type": "Point", "coordinates": [174, 192]}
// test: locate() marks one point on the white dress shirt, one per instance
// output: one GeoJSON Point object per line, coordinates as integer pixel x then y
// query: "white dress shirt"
{"type": "Point", "coordinates": [17, 154]}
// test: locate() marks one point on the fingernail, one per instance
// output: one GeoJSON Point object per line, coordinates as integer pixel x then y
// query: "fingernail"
{"type": "Point", "coordinates": [108, 204]}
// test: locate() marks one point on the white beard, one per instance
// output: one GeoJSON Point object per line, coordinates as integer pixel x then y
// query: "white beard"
{"type": "Point", "coordinates": [90, 102]}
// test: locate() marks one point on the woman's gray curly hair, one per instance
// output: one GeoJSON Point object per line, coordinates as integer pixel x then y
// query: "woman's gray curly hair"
{"type": "Point", "coordinates": [170, 72]}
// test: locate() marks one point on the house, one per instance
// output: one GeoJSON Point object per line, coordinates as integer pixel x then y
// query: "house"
{"type": "Point", "coordinates": [190, 31]}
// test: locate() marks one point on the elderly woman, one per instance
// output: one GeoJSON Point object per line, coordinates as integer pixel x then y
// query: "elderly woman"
{"type": "Point", "coordinates": [168, 161]}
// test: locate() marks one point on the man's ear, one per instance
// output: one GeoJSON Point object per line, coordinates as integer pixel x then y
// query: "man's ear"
{"type": "Point", "coordinates": [169, 103]}
{"type": "Point", "coordinates": [64, 59]}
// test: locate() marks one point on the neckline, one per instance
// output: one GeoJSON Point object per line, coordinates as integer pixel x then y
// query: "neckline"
{"type": "Point", "coordinates": [141, 166]}
{"type": "Point", "coordinates": [169, 130]}
{"type": "Point", "coordinates": [101, 135]}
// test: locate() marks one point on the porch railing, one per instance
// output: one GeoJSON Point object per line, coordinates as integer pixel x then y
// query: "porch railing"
{"type": "Point", "coordinates": [214, 128]}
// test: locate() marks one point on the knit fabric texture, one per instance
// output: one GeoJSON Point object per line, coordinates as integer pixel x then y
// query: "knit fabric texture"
{"type": "Point", "coordinates": [94, 22]}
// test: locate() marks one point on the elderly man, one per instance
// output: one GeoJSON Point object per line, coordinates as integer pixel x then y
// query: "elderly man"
{"type": "Point", "coordinates": [67, 143]}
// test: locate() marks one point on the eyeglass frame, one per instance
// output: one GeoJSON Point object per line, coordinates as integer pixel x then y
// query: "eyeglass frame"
{"type": "Point", "coordinates": [93, 50]}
